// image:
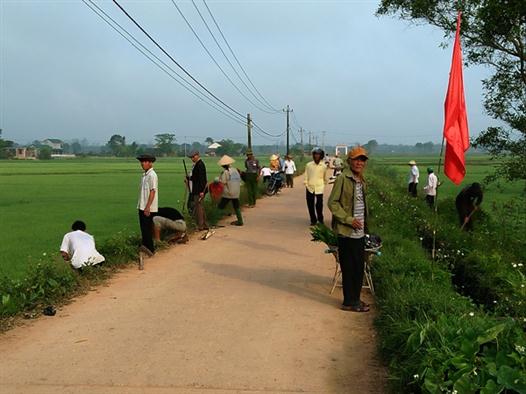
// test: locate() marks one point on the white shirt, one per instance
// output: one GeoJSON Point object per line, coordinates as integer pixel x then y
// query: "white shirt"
{"type": "Point", "coordinates": [148, 182]}
{"type": "Point", "coordinates": [432, 183]}
{"type": "Point", "coordinates": [290, 167]}
{"type": "Point", "coordinates": [414, 174]}
{"type": "Point", "coordinates": [265, 171]}
{"type": "Point", "coordinates": [81, 249]}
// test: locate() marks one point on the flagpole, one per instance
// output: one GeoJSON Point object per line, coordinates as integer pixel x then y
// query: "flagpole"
{"type": "Point", "coordinates": [433, 251]}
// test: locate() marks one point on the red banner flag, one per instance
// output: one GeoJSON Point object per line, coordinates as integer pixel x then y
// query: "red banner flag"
{"type": "Point", "coordinates": [456, 120]}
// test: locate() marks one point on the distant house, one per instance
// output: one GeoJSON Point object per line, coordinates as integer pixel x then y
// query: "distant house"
{"type": "Point", "coordinates": [26, 153]}
{"type": "Point", "coordinates": [57, 146]}
{"type": "Point", "coordinates": [211, 150]}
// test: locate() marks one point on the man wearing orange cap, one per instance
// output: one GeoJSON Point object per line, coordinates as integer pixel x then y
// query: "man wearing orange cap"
{"type": "Point", "coordinates": [349, 210]}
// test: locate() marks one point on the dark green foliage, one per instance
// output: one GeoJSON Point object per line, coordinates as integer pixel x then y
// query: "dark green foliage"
{"type": "Point", "coordinates": [44, 152]}
{"type": "Point", "coordinates": [322, 233]}
{"type": "Point", "coordinates": [433, 338]}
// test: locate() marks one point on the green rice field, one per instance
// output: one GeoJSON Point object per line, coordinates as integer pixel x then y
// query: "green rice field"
{"type": "Point", "coordinates": [40, 199]}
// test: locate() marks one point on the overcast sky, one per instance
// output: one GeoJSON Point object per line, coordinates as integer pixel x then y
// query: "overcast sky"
{"type": "Point", "coordinates": [66, 74]}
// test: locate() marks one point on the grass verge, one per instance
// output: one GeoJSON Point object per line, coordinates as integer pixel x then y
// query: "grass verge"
{"type": "Point", "coordinates": [434, 338]}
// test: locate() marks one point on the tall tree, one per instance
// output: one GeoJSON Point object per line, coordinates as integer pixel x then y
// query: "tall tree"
{"type": "Point", "coordinates": [117, 145]}
{"type": "Point", "coordinates": [494, 35]}
{"type": "Point", "coordinates": [209, 140]}
{"type": "Point", "coordinates": [165, 143]}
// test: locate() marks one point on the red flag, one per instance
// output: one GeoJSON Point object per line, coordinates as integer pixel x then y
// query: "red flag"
{"type": "Point", "coordinates": [456, 120]}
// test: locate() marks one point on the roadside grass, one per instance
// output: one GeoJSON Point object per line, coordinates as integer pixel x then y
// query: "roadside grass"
{"type": "Point", "coordinates": [437, 333]}
{"type": "Point", "coordinates": [33, 276]}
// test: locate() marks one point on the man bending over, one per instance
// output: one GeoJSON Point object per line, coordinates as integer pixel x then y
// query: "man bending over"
{"type": "Point", "coordinates": [78, 247]}
{"type": "Point", "coordinates": [170, 220]}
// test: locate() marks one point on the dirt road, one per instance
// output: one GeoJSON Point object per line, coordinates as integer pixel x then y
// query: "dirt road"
{"type": "Point", "coordinates": [247, 311]}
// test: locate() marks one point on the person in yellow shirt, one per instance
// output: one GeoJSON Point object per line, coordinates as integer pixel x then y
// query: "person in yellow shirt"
{"type": "Point", "coordinates": [315, 180]}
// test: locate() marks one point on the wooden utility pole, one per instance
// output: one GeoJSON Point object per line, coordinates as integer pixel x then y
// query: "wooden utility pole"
{"type": "Point", "coordinates": [249, 132]}
{"type": "Point", "coordinates": [288, 111]}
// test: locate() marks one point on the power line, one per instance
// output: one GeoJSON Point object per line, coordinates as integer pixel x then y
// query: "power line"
{"type": "Point", "coordinates": [138, 45]}
{"type": "Point", "coordinates": [175, 61]}
{"type": "Point", "coordinates": [213, 58]}
{"type": "Point", "coordinates": [230, 63]}
{"type": "Point", "coordinates": [236, 59]}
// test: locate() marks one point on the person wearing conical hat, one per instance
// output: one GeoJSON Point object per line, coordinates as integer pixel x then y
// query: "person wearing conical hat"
{"type": "Point", "coordinates": [231, 180]}
{"type": "Point", "coordinates": [251, 177]}
{"type": "Point", "coordinates": [414, 174]}
{"type": "Point", "coordinates": [275, 165]}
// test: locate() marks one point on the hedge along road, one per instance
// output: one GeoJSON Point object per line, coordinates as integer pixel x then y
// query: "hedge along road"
{"type": "Point", "coordinates": [248, 310]}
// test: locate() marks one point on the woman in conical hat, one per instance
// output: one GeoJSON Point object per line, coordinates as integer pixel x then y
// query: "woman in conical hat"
{"type": "Point", "coordinates": [231, 180]}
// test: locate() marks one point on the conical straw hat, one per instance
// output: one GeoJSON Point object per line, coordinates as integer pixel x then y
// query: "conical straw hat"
{"type": "Point", "coordinates": [225, 161]}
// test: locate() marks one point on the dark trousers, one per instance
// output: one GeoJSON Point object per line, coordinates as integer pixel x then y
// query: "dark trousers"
{"type": "Point", "coordinates": [430, 200]}
{"type": "Point", "coordinates": [412, 188]}
{"type": "Point", "coordinates": [316, 214]}
{"type": "Point", "coordinates": [290, 180]}
{"type": "Point", "coordinates": [146, 223]}
{"type": "Point", "coordinates": [351, 254]}
{"type": "Point", "coordinates": [224, 202]}
{"type": "Point", "coordinates": [251, 182]}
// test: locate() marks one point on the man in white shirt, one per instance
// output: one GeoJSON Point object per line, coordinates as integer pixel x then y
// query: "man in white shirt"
{"type": "Point", "coordinates": [431, 188]}
{"type": "Point", "coordinates": [315, 180]}
{"type": "Point", "coordinates": [414, 174]}
{"type": "Point", "coordinates": [148, 202]}
{"type": "Point", "coordinates": [78, 247]}
{"type": "Point", "coordinates": [290, 168]}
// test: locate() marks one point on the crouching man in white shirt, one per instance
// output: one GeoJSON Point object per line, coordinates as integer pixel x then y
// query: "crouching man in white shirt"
{"type": "Point", "coordinates": [78, 247]}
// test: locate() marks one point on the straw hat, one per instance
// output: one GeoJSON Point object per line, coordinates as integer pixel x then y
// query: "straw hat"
{"type": "Point", "coordinates": [412, 163]}
{"type": "Point", "coordinates": [274, 157]}
{"type": "Point", "coordinates": [225, 161]}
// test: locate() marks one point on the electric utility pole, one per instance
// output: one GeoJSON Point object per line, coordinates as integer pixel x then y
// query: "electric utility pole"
{"type": "Point", "coordinates": [323, 140]}
{"type": "Point", "coordinates": [288, 111]}
{"type": "Point", "coordinates": [301, 141]}
{"type": "Point", "coordinates": [249, 132]}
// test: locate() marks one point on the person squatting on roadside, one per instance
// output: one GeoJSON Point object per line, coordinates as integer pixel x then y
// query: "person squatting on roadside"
{"type": "Point", "coordinates": [348, 205]}
{"type": "Point", "coordinates": [315, 180]}
{"type": "Point", "coordinates": [468, 201]}
{"type": "Point", "coordinates": [431, 187]}
{"type": "Point", "coordinates": [290, 170]}
{"type": "Point", "coordinates": [148, 202]}
{"type": "Point", "coordinates": [251, 177]}
{"type": "Point", "coordinates": [78, 247]}
{"type": "Point", "coordinates": [414, 174]}
{"type": "Point", "coordinates": [170, 220]}
{"type": "Point", "coordinates": [198, 187]}
{"type": "Point", "coordinates": [231, 180]}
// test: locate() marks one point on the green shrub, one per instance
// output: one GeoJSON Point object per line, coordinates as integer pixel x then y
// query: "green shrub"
{"type": "Point", "coordinates": [433, 338]}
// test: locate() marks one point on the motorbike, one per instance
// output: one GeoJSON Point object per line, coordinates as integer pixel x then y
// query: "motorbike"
{"type": "Point", "coordinates": [274, 184]}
